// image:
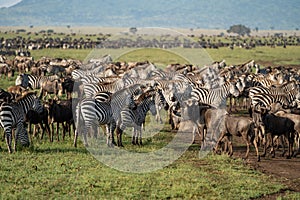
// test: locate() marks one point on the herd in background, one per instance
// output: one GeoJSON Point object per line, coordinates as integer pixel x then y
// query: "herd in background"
{"type": "Point", "coordinates": [116, 95]}
{"type": "Point", "coordinates": [22, 45]}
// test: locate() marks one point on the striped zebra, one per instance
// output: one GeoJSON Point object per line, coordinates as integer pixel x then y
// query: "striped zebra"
{"type": "Point", "coordinates": [103, 96]}
{"type": "Point", "coordinates": [266, 100]}
{"type": "Point", "coordinates": [79, 73]}
{"type": "Point", "coordinates": [283, 89]}
{"type": "Point", "coordinates": [92, 79]}
{"type": "Point", "coordinates": [215, 97]}
{"type": "Point", "coordinates": [12, 115]}
{"type": "Point", "coordinates": [121, 99]}
{"type": "Point", "coordinates": [160, 102]}
{"type": "Point", "coordinates": [6, 96]}
{"type": "Point", "coordinates": [136, 118]}
{"type": "Point", "coordinates": [265, 82]}
{"type": "Point", "coordinates": [90, 113]}
{"type": "Point", "coordinates": [174, 93]}
{"type": "Point", "coordinates": [90, 89]}
{"type": "Point", "coordinates": [32, 81]}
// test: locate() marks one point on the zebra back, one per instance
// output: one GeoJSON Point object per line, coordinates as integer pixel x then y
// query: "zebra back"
{"type": "Point", "coordinates": [266, 100]}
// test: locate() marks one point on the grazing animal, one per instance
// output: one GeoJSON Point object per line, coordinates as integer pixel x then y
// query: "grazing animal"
{"type": "Point", "coordinates": [59, 113]}
{"type": "Point", "coordinates": [277, 126]}
{"type": "Point", "coordinates": [12, 115]}
{"type": "Point", "coordinates": [121, 99]}
{"type": "Point", "coordinates": [242, 127]}
{"type": "Point", "coordinates": [136, 117]}
{"type": "Point", "coordinates": [16, 89]}
{"type": "Point", "coordinates": [6, 96]}
{"type": "Point", "coordinates": [296, 119]}
{"type": "Point", "coordinates": [90, 113]}
{"type": "Point", "coordinates": [41, 119]}
{"type": "Point", "coordinates": [51, 87]}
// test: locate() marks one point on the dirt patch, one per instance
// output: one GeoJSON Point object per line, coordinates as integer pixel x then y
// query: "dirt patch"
{"type": "Point", "coordinates": [287, 171]}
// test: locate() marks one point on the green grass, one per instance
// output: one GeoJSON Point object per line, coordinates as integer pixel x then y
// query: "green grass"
{"type": "Point", "coordinates": [78, 54]}
{"type": "Point", "coordinates": [262, 55]}
{"type": "Point", "coordinates": [265, 56]}
{"type": "Point", "coordinates": [160, 57]}
{"type": "Point", "coordinates": [59, 170]}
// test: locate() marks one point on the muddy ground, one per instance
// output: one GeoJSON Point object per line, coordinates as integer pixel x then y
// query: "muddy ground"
{"type": "Point", "coordinates": [280, 168]}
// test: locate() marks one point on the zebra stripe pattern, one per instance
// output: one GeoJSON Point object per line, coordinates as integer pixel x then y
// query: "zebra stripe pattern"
{"type": "Point", "coordinates": [120, 100]}
{"type": "Point", "coordinates": [215, 97]}
{"type": "Point", "coordinates": [91, 112]}
{"type": "Point", "coordinates": [32, 81]}
{"type": "Point", "coordinates": [13, 115]}
{"type": "Point", "coordinates": [266, 100]}
{"type": "Point", "coordinates": [135, 118]}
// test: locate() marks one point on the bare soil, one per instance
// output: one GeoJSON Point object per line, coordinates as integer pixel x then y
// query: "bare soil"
{"type": "Point", "coordinates": [287, 171]}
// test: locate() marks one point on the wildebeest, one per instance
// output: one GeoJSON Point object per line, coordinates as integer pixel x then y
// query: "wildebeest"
{"type": "Point", "coordinates": [51, 87]}
{"type": "Point", "coordinates": [242, 127]}
{"type": "Point", "coordinates": [40, 119]}
{"type": "Point", "coordinates": [277, 126]}
{"type": "Point", "coordinates": [60, 112]}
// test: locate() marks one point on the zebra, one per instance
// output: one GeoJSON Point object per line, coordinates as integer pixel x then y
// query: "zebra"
{"type": "Point", "coordinates": [160, 102]}
{"type": "Point", "coordinates": [174, 92]}
{"type": "Point", "coordinates": [79, 73]}
{"type": "Point", "coordinates": [284, 89]}
{"type": "Point", "coordinates": [12, 115]}
{"type": "Point", "coordinates": [32, 81]}
{"type": "Point", "coordinates": [90, 112]}
{"type": "Point", "coordinates": [92, 79]}
{"type": "Point", "coordinates": [103, 96]}
{"type": "Point", "coordinates": [90, 89]}
{"type": "Point", "coordinates": [266, 100]}
{"type": "Point", "coordinates": [7, 96]}
{"type": "Point", "coordinates": [136, 118]}
{"type": "Point", "coordinates": [215, 97]}
{"type": "Point", "coordinates": [119, 100]}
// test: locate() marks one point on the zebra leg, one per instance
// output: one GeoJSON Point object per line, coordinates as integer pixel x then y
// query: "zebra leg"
{"type": "Point", "coordinates": [8, 138]}
{"type": "Point", "coordinates": [112, 130]}
{"type": "Point", "coordinates": [119, 137]}
{"type": "Point", "coordinates": [139, 131]}
{"type": "Point", "coordinates": [85, 132]}
{"type": "Point", "coordinates": [75, 138]}
{"type": "Point", "coordinates": [133, 140]}
{"type": "Point", "coordinates": [16, 139]}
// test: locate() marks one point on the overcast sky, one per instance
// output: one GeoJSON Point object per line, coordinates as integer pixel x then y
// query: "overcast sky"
{"type": "Point", "coordinates": [7, 3]}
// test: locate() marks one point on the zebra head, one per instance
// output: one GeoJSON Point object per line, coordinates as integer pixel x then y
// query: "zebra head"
{"type": "Point", "coordinates": [22, 80]}
{"type": "Point", "coordinates": [233, 89]}
{"type": "Point", "coordinates": [37, 105]}
{"type": "Point", "coordinates": [129, 102]}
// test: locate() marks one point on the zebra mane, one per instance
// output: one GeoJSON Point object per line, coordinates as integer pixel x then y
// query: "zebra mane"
{"type": "Point", "coordinates": [145, 95]}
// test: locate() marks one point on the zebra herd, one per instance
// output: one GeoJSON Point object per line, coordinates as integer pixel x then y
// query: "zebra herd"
{"type": "Point", "coordinates": [124, 99]}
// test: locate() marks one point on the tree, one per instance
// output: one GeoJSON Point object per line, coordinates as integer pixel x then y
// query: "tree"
{"type": "Point", "coordinates": [239, 29]}
{"type": "Point", "coordinates": [133, 30]}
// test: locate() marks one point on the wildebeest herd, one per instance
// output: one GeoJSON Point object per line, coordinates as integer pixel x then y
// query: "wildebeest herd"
{"type": "Point", "coordinates": [116, 95]}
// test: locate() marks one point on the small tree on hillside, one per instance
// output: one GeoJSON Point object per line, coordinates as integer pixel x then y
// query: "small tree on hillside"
{"type": "Point", "coordinates": [239, 29]}
{"type": "Point", "coordinates": [133, 30]}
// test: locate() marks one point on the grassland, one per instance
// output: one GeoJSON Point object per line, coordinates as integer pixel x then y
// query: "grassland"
{"type": "Point", "coordinates": [59, 171]}
{"type": "Point", "coordinates": [265, 56]}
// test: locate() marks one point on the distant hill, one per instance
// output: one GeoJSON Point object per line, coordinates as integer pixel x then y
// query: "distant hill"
{"type": "Point", "coordinates": [208, 14]}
